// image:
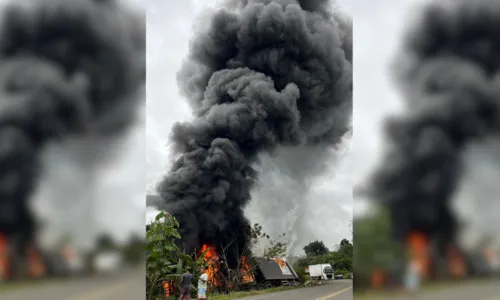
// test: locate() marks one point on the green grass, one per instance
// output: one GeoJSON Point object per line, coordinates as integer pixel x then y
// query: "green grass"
{"type": "Point", "coordinates": [427, 287]}
{"type": "Point", "coordinates": [21, 284]}
{"type": "Point", "coordinates": [252, 293]}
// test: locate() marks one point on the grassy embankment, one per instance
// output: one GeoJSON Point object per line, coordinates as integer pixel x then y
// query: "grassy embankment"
{"type": "Point", "coordinates": [428, 287]}
{"type": "Point", "coordinates": [254, 292]}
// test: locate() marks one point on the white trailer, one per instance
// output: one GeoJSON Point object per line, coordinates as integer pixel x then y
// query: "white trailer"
{"type": "Point", "coordinates": [107, 262]}
{"type": "Point", "coordinates": [321, 272]}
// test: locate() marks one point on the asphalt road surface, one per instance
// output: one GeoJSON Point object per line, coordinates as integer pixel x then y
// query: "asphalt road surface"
{"type": "Point", "coordinates": [472, 290]}
{"type": "Point", "coordinates": [128, 285]}
{"type": "Point", "coordinates": [333, 290]}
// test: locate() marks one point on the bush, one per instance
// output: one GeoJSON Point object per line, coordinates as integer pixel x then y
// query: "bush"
{"type": "Point", "coordinates": [301, 272]}
{"type": "Point", "coordinates": [345, 273]}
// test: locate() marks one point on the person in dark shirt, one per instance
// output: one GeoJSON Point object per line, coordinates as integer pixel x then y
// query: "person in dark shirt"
{"type": "Point", "coordinates": [186, 285]}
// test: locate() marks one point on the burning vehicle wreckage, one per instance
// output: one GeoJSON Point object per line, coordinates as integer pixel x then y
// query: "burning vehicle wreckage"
{"type": "Point", "coordinates": [69, 69]}
{"type": "Point", "coordinates": [247, 273]}
{"type": "Point", "coordinates": [448, 72]}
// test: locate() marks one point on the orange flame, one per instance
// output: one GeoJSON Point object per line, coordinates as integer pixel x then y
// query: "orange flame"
{"type": "Point", "coordinates": [210, 259]}
{"type": "Point", "coordinates": [418, 245]}
{"type": "Point", "coordinates": [456, 263]}
{"type": "Point", "coordinates": [168, 288]}
{"type": "Point", "coordinates": [4, 258]}
{"type": "Point", "coordinates": [36, 267]}
{"type": "Point", "coordinates": [280, 262]}
{"type": "Point", "coordinates": [377, 279]}
{"type": "Point", "coordinates": [246, 273]}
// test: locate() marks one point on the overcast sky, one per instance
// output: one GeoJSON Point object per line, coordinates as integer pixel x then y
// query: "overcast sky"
{"type": "Point", "coordinates": [377, 30]}
{"type": "Point", "coordinates": [169, 29]}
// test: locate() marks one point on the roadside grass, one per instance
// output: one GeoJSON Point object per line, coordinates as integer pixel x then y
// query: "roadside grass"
{"type": "Point", "coordinates": [253, 293]}
{"type": "Point", "coordinates": [30, 283]}
{"type": "Point", "coordinates": [15, 285]}
{"type": "Point", "coordinates": [371, 294]}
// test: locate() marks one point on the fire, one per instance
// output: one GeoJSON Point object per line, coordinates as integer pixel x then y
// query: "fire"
{"type": "Point", "coordinates": [36, 266]}
{"type": "Point", "coordinates": [456, 263]}
{"type": "Point", "coordinates": [280, 262]}
{"type": "Point", "coordinates": [246, 272]}
{"type": "Point", "coordinates": [211, 259]}
{"type": "Point", "coordinates": [4, 258]}
{"type": "Point", "coordinates": [168, 288]}
{"type": "Point", "coordinates": [377, 279]}
{"type": "Point", "coordinates": [418, 245]}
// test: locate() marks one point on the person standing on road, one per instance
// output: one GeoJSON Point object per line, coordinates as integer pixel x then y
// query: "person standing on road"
{"type": "Point", "coordinates": [202, 284]}
{"type": "Point", "coordinates": [412, 280]}
{"type": "Point", "coordinates": [186, 279]}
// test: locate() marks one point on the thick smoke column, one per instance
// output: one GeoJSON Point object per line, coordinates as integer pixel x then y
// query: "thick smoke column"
{"type": "Point", "coordinates": [286, 184]}
{"type": "Point", "coordinates": [67, 68]}
{"type": "Point", "coordinates": [264, 74]}
{"type": "Point", "coordinates": [449, 75]}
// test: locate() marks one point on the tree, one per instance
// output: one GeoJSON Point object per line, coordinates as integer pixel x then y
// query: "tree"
{"type": "Point", "coordinates": [133, 251]}
{"type": "Point", "coordinates": [315, 248]}
{"type": "Point", "coordinates": [162, 253]}
{"type": "Point", "coordinates": [164, 259]}
{"type": "Point", "coordinates": [262, 242]}
{"type": "Point", "coordinates": [346, 248]}
{"type": "Point", "coordinates": [375, 247]}
{"type": "Point", "coordinates": [340, 259]}
{"type": "Point", "coordinates": [106, 242]}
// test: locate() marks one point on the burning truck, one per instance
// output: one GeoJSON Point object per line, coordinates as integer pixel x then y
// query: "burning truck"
{"type": "Point", "coordinates": [39, 263]}
{"type": "Point", "coordinates": [249, 274]}
{"type": "Point", "coordinates": [459, 263]}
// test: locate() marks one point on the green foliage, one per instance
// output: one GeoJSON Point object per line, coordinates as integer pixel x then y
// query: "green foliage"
{"type": "Point", "coordinates": [316, 248]}
{"type": "Point", "coordinates": [275, 249]}
{"type": "Point", "coordinates": [133, 251]}
{"type": "Point", "coordinates": [375, 247]}
{"type": "Point", "coordinates": [345, 273]}
{"type": "Point", "coordinates": [340, 259]}
{"type": "Point", "coordinates": [301, 271]}
{"type": "Point", "coordinates": [164, 259]}
{"type": "Point", "coordinates": [162, 252]}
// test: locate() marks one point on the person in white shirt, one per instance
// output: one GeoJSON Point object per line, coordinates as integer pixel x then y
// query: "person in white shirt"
{"type": "Point", "coordinates": [412, 281]}
{"type": "Point", "coordinates": [202, 284]}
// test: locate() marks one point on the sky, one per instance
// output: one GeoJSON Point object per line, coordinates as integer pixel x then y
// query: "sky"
{"type": "Point", "coordinates": [169, 30]}
{"type": "Point", "coordinates": [377, 29]}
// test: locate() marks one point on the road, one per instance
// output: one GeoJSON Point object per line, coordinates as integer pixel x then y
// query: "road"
{"type": "Point", "coordinates": [476, 290]}
{"type": "Point", "coordinates": [334, 290]}
{"type": "Point", "coordinates": [129, 285]}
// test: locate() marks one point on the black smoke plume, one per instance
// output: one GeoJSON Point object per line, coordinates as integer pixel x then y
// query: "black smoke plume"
{"type": "Point", "coordinates": [448, 72]}
{"type": "Point", "coordinates": [264, 74]}
{"type": "Point", "coordinates": [67, 67]}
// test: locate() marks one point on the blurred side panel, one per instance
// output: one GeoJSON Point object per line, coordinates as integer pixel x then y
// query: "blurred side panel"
{"type": "Point", "coordinates": [72, 82]}
{"type": "Point", "coordinates": [427, 120]}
